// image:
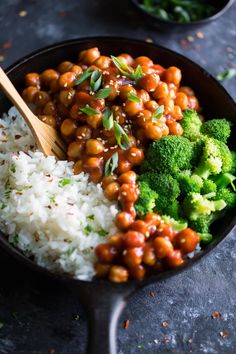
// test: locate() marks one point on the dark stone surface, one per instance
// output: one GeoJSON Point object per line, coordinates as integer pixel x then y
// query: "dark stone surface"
{"type": "Point", "coordinates": [37, 314]}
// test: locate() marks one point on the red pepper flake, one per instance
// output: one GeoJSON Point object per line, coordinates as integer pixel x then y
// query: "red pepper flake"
{"type": "Point", "coordinates": [224, 334]}
{"type": "Point", "coordinates": [19, 193]}
{"type": "Point", "coordinates": [126, 324]}
{"type": "Point", "coordinates": [215, 315]}
{"type": "Point", "coordinates": [7, 45]}
{"type": "Point", "coordinates": [152, 294]}
{"type": "Point", "coordinates": [200, 35]}
{"type": "Point", "coordinates": [23, 13]}
{"type": "Point", "coordinates": [165, 324]}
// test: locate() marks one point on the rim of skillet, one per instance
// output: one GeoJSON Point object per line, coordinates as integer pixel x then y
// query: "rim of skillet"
{"type": "Point", "coordinates": [17, 254]}
{"type": "Point", "coordinates": [185, 24]}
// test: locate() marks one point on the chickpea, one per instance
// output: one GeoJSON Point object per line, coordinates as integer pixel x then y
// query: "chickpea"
{"type": "Point", "coordinates": [163, 247]}
{"type": "Point", "coordinates": [92, 164]}
{"type": "Point", "coordinates": [49, 109]}
{"type": "Point", "coordinates": [164, 129]}
{"type": "Point", "coordinates": [123, 220]}
{"type": "Point", "coordinates": [149, 82]}
{"type": "Point", "coordinates": [78, 167]}
{"type": "Point", "coordinates": [77, 70]}
{"type": "Point", "coordinates": [54, 86]}
{"type": "Point", "coordinates": [48, 119]}
{"type": "Point", "coordinates": [173, 75]}
{"type": "Point", "coordinates": [141, 136]}
{"type": "Point", "coordinates": [193, 103]}
{"type": "Point", "coordinates": [114, 92]}
{"type": "Point", "coordinates": [62, 110]}
{"type": "Point", "coordinates": [158, 69]}
{"type": "Point", "coordinates": [166, 231]}
{"type": "Point", "coordinates": [84, 132]}
{"type": "Point", "coordinates": [64, 67]}
{"type": "Point", "coordinates": [105, 253]}
{"type": "Point", "coordinates": [174, 259]}
{"type": "Point", "coordinates": [75, 112]}
{"type": "Point", "coordinates": [151, 105]}
{"type": "Point", "coordinates": [137, 272]}
{"type": "Point", "coordinates": [177, 113]}
{"type": "Point", "coordinates": [161, 91]}
{"type": "Point", "coordinates": [168, 103]}
{"type": "Point", "coordinates": [29, 93]}
{"type": "Point", "coordinates": [132, 141]}
{"type": "Point", "coordinates": [147, 69]}
{"type": "Point", "coordinates": [128, 177]}
{"type": "Point", "coordinates": [128, 193]}
{"type": "Point", "coordinates": [153, 131]}
{"type": "Point", "coordinates": [98, 105]}
{"type": "Point", "coordinates": [127, 59]}
{"type": "Point", "coordinates": [123, 165]}
{"type": "Point", "coordinates": [95, 120]}
{"type": "Point", "coordinates": [49, 75]}
{"type": "Point", "coordinates": [129, 207]}
{"type": "Point", "coordinates": [118, 274]}
{"type": "Point", "coordinates": [142, 60]}
{"type": "Point", "coordinates": [66, 80]}
{"type": "Point", "coordinates": [89, 56]}
{"type": "Point", "coordinates": [186, 240]}
{"type": "Point", "coordinates": [117, 241]}
{"type": "Point", "coordinates": [149, 256]}
{"type": "Point", "coordinates": [103, 62]}
{"type": "Point", "coordinates": [32, 79]}
{"type": "Point", "coordinates": [133, 256]}
{"type": "Point", "coordinates": [140, 226]}
{"type": "Point", "coordinates": [144, 96]}
{"type": "Point", "coordinates": [68, 127]}
{"type": "Point", "coordinates": [181, 100]}
{"type": "Point", "coordinates": [82, 98]}
{"type": "Point", "coordinates": [133, 239]}
{"type": "Point", "coordinates": [94, 147]}
{"type": "Point", "coordinates": [187, 90]}
{"type": "Point", "coordinates": [108, 179]}
{"type": "Point", "coordinates": [111, 191]}
{"type": "Point", "coordinates": [124, 90]}
{"type": "Point", "coordinates": [66, 97]}
{"type": "Point", "coordinates": [133, 108]}
{"type": "Point", "coordinates": [143, 117]}
{"type": "Point", "coordinates": [175, 128]}
{"type": "Point", "coordinates": [153, 219]}
{"type": "Point", "coordinates": [76, 149]}
{"type": "Point", "coordinates": [135, 156]}
{"type": "Point", "coordinates": [101, 270]}
{"type": "Point", "coordinates": [41, 98]}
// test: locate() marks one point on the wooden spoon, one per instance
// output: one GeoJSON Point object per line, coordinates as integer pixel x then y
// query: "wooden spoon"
{"type": "Point", "coordinates": [46, 137]}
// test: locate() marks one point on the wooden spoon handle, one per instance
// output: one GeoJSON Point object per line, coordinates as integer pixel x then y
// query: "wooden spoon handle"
{"type": "Point", "coordinates": [9, 89]}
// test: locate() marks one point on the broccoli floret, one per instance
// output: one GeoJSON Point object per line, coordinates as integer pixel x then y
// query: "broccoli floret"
{"type": "Point", "coordinates": [228, 196]}
{"type": "Point", "coordinates": [216, 158]}
{"type": "Point", "coordinates": [205, 237]}
{"type": "Point", "coordinates": [178, 225]}
{"type": "Point", "coordinates": [146, 167]}
{"type": "Point", "coordinates": [223, 180]}
{"type": "Point", "coordinates": [189, 183]}
{"type": "Point", "coordinates": [196, 205]}
{"type": "Point", "coordinates": [203, 223]}
{"type": "Point", "coordinates": [233, 167]}
{"type": "Point", "coordinates": [219, 129]}
{"type": "Point", "coordinates": [197, 151]}
{"type": "Point", "coordinates": [208, 187]}
{"type": "Point", "coordinates": [172, 209]}
{"type": "Point", "coordinates": [147, 199]}
{"type": "Point", "coordinates": [170, 154]}
{"type": "Point", "coordinates": [165, 186]}
{"type": "Point", "coordinates": [191, 124]}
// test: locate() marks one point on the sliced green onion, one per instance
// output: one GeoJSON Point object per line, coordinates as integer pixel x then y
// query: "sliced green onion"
{"type": "Point", "coordinates": [138, 73]}
{"type": "Point", "coordinates": [88, 110]}
{"type": "Point", "coordinates": [107, 119]}
{"type": "Point", "coordinates": [126, 70]}
{"type": "Point", "coordinates": [132, 97]}
{"type": "Point", "coordinates": [158, 113]}
{"type": "Point", "coordinates": [111, 164]}
{"type": "Point", "coordinates": [121, 137]}
{"type": "Point", "coordinates": [226, 75]}
{"type": "Point", "coordinates": [85, 75]}
{"type": "Point", "coordinates": [103, 93]}
{"type": "Point", "coordinates": [96, 80]}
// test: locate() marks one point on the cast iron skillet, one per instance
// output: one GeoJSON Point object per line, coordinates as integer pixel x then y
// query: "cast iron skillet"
{"type": "Point", "coordinates": [103, 300]}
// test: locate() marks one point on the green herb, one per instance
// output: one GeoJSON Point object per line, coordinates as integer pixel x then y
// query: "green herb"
{"type": "Point", "coordinates": [111, 164]}
{"type": "Point", "coordinates": [88, 110]}
{"type": "Point", "coordinates": [1, 325]}
{"type": "Point", "coordinates": [23, 188]}
{"type": "Point", "coordinates": [140, 346]}
{"type": "Point", "coordinates": [103, 93]}
{"type": "Point", "coordinates": [102, 233]}
{"type": "Point", "coordinates": [90, 217]}
{"type": "Point", "coordinates": [85, 75]}
{"type": "Point", "coordinates": [76, 318]}
{"type": "Point", "coordinates": [226, 75]}
{"type": "Point", "coordinates": [87, 229]}
{"type": "Point", "coordinates": [107, 119]}
{"type": "Point", "coordinates": [96, 80]}
{"type": "Point", "coordinates": [126, 70]}
{"type": "Point", "coordinates": [70, 249]}
{"type": "Point", "coordinates": [132, 97]}
{"type": "Point", "coordinates": [64, 182]}
{"type": "Point", "coordinates": [158, 113]}
{"type": "Point", "coordinates": [53, 199]}
{"type": "Point", "coordinates": [13, 168]}
{"type": "Point", "coordinates": [3, 206]}
{"type": "Point", "coordinates": [121, 137]}
{"type": "Point", "coordinates": [16, 239]}
{"type": "Point", "coordinates": [8, 193]}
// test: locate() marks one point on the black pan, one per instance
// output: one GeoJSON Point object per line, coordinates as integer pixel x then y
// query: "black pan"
{"type": "Point", "coordinates": [103, 300]}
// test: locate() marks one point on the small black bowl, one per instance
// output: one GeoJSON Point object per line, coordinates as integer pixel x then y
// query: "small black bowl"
{"type": "Point", "coordinates": [167, 25]}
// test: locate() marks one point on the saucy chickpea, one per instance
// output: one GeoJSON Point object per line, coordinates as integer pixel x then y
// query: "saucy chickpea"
{"type": "Point", "coordinates": [32, 79]}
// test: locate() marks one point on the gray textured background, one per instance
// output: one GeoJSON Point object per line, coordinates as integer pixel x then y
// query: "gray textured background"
{"type": "Point", "coordinates": [37, 315]}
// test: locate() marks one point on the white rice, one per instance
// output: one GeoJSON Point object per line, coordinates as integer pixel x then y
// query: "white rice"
{"type": "Point", "coordinates": [47, 211]}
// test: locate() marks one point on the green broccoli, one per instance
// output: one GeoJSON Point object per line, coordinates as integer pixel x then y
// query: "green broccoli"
{"type": "Point", "coordinates": [208, 187]}
{"type": "Point", "coordinates": [219, 129]}
{"type": "Point", "coordinates": [205, 237]}
{"type": "Point", "coordinates": [147, 199]}
{"type": "Point", "coordinates": [223, 180]}
{"type": "Point", "coordinates": [228, 196]}
{"type": "Point", "coordinates": [189, 183]}
{"type": "Point", "coordinates": [178, 225]}
{"type": "Point", "coordinates": [173, 209]}
{"type": "Point", "coordinates": [203, 223]}
{"type": "Point", "coordinates": [170, 154]}
{"type": "Point", "coordinates": [165, 186]}
{"type": "Point", "coordinates": [216, 158]}
{"type": "Point", "coordinates": [196, 205]}
{"type": "Point", "coordinates": [233, 167]}
{"type": "Point", "coordinates": [197, 151]}
{"type": "Point", "coordinates": [191, 124]}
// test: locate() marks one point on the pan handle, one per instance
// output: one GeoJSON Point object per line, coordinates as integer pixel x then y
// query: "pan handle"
{"type": "Point", "coordinates": [104, 303]}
